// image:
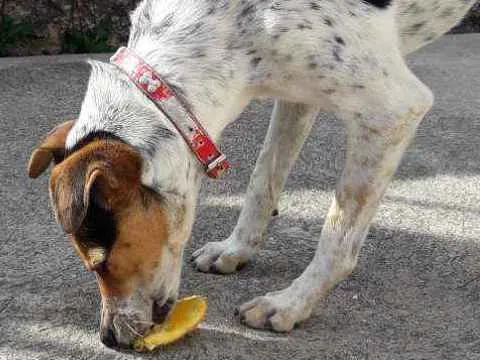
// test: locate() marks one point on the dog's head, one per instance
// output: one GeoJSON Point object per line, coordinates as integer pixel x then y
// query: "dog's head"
{"type": "Point", "coordinates": [123, 231]}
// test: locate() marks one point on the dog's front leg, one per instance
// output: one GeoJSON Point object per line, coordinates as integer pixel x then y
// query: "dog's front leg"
{"type": "Point", "coordinates": [376, 139]}
{"type": "Point", "coordinates": [289, 126]}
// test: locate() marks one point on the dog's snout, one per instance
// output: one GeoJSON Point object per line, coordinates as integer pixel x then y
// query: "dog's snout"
{"type": "Point", "coordinates": [107, 336]}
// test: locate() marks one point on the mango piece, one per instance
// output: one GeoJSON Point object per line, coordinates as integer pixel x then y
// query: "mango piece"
{"type": "Point", "coordinates": [185, 317]}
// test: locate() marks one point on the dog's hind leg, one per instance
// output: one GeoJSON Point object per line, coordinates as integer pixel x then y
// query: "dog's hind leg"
{"type": "Point", "coordinates": [289, 126]}
{"type": "Point", "coordinates": [381, 120]}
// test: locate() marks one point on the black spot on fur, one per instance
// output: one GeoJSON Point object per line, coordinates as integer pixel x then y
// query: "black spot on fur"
{"type": "Point", "coordinates": [276, 6]}
{"type": "Point", "coordinates": [328, 22]}
{"type": "Point", "coordinates": [166, 22]}
{"type": "Point", "coordinates": [255, 61]}
{"type": "Point", "coordinates": [329, 91]}
{"type": "Point", "coordinates": [339, 40]}
{"type": "Point", "coordinates": [381, 4]}
{"type": "Point", "coordinates": [314, 6]}
{"type": "Point", "coordinates": [304, 26]}
{"type": "Point", "coordinates": [252, 51]}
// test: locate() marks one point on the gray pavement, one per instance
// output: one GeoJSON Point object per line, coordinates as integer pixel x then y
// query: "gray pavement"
{"type": "Point", "coordinates": [414, 295]}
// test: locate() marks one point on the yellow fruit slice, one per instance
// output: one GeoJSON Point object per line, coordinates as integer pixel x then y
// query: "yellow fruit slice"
{"type": "Point", "coordinates": [185, 317]}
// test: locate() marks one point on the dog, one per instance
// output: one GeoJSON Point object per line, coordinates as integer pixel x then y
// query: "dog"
{"type": "Point", "coordinates": [126, 177]}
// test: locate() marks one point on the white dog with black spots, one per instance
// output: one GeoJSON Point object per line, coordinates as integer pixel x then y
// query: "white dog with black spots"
{"type": "Point", "coordinates": [343, 56]}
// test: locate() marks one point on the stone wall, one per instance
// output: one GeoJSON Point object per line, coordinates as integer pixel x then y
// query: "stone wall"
{"type": "Point", "coordinates": [53, 26]}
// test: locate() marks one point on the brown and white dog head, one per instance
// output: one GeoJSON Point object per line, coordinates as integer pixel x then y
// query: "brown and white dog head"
{"type": "Point", "coordinates": [125, 232]}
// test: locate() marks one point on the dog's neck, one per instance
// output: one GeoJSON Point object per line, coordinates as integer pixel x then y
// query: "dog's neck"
{"type": "Point", "coordinates": [196, 47]}
{"type": "Point", "coordinates": [200, 49]}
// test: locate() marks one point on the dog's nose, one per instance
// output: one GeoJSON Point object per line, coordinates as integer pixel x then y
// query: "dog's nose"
{"type": "Point", "coordinates": [107, 336]}
{"type": "Point", "coordinates": [160, 312]}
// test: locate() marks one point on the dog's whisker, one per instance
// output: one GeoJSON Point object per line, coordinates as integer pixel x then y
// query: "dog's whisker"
{"type": "Point", "coordinates": [144, 322]}
{"type": "Point", "coordinates": [131, 328]}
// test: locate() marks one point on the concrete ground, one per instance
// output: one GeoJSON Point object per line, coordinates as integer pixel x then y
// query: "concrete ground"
{"type": "Point", "coordinates": [414, 295]}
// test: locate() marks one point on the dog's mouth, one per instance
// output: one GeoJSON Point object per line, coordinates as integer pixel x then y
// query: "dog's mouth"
{"type": "Point", "coordinates": [160, 311]}
{"type": "Point", "coordinates": [121, 331]}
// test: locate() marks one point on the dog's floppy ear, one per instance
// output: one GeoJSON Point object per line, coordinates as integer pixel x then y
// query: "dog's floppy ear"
{"type": "Point", "coordinates": [103, 172]}
{"type": "Point", "coordinates": [52, 148]}
{"type": "Point", "coordinates": [70, 194]}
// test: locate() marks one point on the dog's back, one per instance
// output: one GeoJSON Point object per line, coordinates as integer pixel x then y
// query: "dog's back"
{"type": "Point", "coordinates": [421, 22]}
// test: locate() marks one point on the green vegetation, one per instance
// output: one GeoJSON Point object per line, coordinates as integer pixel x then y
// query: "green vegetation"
{"type": "Point", "coordinates": [93, 41]}
{"type": "Point", "coordinates": [14, 34]}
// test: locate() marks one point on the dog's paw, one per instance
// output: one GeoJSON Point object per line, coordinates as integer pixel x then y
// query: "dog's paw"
{"type": "Point", "coordinates": [223, 257]}
{"type": "Point", "coordinates": [278, 311]}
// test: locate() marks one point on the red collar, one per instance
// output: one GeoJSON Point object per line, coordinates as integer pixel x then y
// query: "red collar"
{"type": "Point", "coordinates": [163, 96]}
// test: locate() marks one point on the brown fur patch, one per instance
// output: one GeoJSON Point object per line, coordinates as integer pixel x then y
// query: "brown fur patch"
{"type": "Point", "coordinates": [52, 148]}
{"type": "Point", "coordinates": [142, 234]}
{"type": "Point", "coordinates": [113, 167]}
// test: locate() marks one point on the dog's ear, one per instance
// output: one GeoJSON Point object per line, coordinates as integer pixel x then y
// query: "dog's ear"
{"type": "Point", "coordinates": [102, 172]}
{"type": "Point", "coordinates": [70, 191]}
{"type": "Point", "coordinates": [52, 148]}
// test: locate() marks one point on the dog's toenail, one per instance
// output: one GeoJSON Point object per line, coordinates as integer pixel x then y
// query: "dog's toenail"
{"type": "Point", "coordinates": [275, 212]}
{"type": "Point", "coordinates": [236, 311]}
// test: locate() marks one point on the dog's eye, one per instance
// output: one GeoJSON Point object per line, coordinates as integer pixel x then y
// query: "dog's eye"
{"type": "Point", "coordinates": [98, 230]}
{"type": "Point", "coordinates": [96, 259]}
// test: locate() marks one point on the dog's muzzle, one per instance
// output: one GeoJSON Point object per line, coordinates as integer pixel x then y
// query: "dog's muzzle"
{"type": "Point", "coordinates": [118, 330]}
